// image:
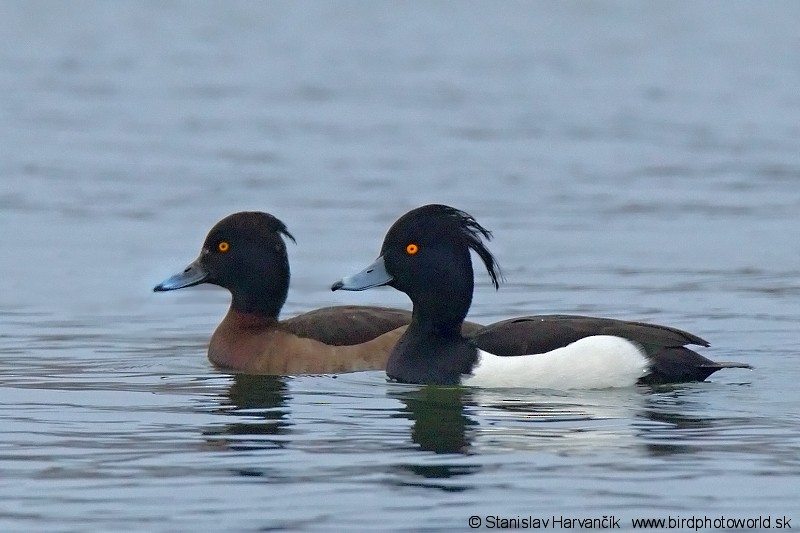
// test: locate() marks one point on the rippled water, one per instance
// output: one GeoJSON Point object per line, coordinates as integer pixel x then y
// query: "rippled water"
{"type": "Point", "coordinates": [635, 160]}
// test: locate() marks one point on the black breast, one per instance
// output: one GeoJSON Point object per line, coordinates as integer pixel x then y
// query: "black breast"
{"type": "Point", "coordinates": [430, 359]}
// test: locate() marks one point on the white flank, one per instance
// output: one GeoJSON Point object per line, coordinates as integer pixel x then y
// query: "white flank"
{"type": "Point", "coordinates": [597, 362]}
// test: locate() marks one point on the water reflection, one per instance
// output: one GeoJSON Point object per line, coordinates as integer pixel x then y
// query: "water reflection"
{"type": "Point", "coordinates": [453, 422]}
{"type": "Point", "coordinates": [677, 421]}
{"type": "Point", "coordinates": [262, 404]}
{"type": "Point", "coordinates": [440, 423]}
{"type": "Point", "coordinates": [466, 422]}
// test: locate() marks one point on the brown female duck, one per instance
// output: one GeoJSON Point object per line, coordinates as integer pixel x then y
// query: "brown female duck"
{"type": "Point", "coordinates": [246, 254]}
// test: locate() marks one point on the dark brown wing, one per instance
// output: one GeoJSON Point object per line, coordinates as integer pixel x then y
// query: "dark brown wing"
{"type": "Point", "coordinates": [671, 361]}
{"type": "Point", "coordinates": [346, 325]}
{"type": "Point", "coordinates": [469, 329]}
{"type": "Point", "coordinates": [542, 333]}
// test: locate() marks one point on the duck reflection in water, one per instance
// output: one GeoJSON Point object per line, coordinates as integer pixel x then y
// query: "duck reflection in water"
{"type": "Point", "coordinates": [440, 424]}
{"type": "Point", "coordinates": [464, 421]}
{"type": "Point", "coordinates": [262, 403]}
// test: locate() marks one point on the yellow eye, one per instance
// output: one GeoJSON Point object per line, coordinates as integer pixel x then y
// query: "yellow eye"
{"type": "Point", "coordinates": [223, 247]}
{"type": "Point", "coordinates": [412, 248]}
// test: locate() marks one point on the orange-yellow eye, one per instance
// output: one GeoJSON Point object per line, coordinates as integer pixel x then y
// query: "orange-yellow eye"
{"type": "Point", "coordinates": [412, 248]}
{"type": "Point", "coordinates": [223, 247]}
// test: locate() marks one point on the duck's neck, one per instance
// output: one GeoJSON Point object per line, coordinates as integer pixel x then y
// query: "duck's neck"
{"type": "Point", "coordinates": [236, 319]}
{"type": "Point", "coordinates": [432, 350]}
{"type": "Point", "coordinates": [239, 339]}
{"type": "Point", "coordinates": [435, 325]}
{"type": "Point", "coordinates": [257, 305]}
{"type": "Point", "coordinates": [262, 295]}
{"type": "Point", "coordinates": [431, 353]}
{"type": "Point", "coordinates": [442, 306]}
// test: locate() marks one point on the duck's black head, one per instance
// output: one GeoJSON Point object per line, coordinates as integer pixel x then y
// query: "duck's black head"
{"type": "Point", "coordinates": [246, 254]}
{"type": "Point", "coordinates": [426, 254]}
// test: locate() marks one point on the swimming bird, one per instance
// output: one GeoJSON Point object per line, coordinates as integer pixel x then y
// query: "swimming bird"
{"type": "Point", "coordinates": [246, 253]}
{"type": "Point", "coordinates": [426, 254]}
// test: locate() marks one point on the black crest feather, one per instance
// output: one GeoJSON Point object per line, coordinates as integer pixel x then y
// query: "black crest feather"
{"type": "Point", "coordinates": [255, 223]}
{"type": "Point", "coordinates": [279, 227]}
{"type": "Point", "coordinates": [463, 226]}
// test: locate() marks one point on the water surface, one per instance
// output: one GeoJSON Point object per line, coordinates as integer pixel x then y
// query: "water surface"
{"type": "Point", "coordinates": [635, 160]}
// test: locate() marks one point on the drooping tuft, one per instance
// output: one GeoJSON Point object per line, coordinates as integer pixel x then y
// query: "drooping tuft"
{"type": "Point", "coordinates": [256, 223]}
{"type": "Point", "coordinates": [459, 224]}
{"type": "Point", "coordinates": [279, 227]}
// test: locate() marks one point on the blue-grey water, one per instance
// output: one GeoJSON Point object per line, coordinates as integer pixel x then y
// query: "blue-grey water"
{"type": "Point", "coordinates": [634, 159]}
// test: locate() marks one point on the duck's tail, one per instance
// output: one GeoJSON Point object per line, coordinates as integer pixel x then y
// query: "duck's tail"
{"type": "Point", "coordinates": [676, 364]}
